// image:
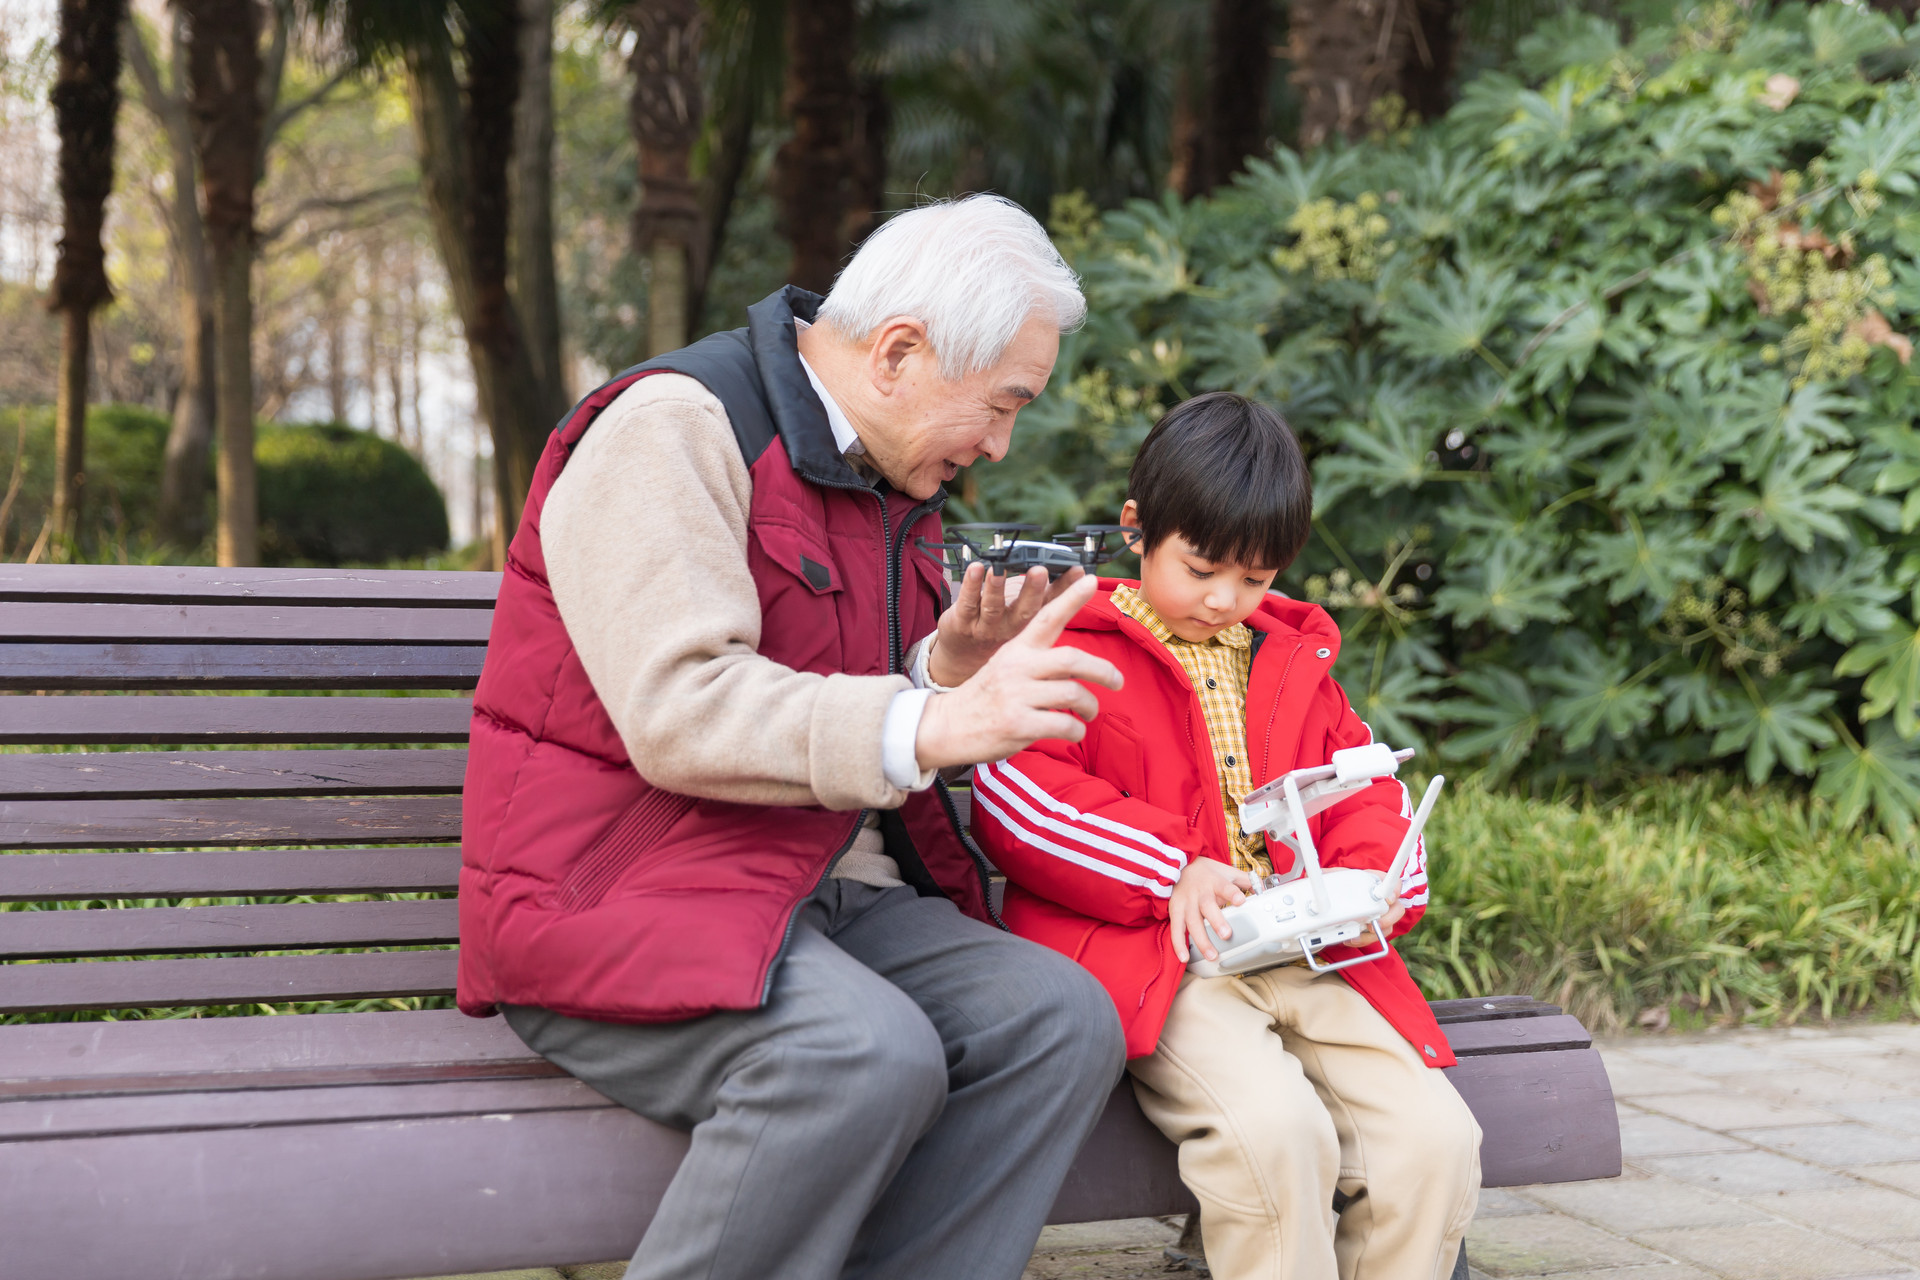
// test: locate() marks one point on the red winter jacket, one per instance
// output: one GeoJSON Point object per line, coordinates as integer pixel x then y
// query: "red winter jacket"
{"type": "Point", "coordinates": [1093, 835]}
{"type": "Point", "coordinates": [586, 889]}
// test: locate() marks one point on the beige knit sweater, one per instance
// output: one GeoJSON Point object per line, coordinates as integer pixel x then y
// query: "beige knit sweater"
{"type": "Point", "coordinates": [645, 537]}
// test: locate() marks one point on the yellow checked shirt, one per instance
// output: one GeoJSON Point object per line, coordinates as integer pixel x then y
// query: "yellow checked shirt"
{"type": "Point", "coordinates": [1218, 670]}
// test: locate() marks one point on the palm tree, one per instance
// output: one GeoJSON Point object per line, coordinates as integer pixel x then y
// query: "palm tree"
{"type": "Point", "coordinates": [814, 177]}
{"type": "Point", "coordinates": [86, 104]}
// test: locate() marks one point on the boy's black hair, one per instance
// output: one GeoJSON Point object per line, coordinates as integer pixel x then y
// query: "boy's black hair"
{"type": "Point", "coordinates": [1226, 474]}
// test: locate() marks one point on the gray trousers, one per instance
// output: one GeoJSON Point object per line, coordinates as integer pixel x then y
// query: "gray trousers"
{"type": "Point", "coordinates": [904, 1107]}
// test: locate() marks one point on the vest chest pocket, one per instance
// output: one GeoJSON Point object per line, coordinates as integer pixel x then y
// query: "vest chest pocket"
{"type": "Point", "coordinates": [801, 554]}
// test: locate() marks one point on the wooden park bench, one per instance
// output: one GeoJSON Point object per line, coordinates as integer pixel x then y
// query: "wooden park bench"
{"type": "Point", "coordinates": [380, 1143]}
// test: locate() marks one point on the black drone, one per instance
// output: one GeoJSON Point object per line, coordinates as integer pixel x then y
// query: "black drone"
{"type": "Point", "coordinates": [1006, 552]}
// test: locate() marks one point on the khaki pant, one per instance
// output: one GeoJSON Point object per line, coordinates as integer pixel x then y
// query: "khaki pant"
{"type": "Point", "coordinates": [1280, 1088]}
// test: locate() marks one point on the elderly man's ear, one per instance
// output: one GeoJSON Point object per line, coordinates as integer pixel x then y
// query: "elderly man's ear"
{"type": "Point", "coordinates": [898, 340]}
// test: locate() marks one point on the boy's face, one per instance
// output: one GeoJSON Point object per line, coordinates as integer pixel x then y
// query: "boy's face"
{"type": "Point", "coordinates": [1197, 598]}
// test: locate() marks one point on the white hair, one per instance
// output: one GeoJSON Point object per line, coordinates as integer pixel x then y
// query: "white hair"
{"type": "Point", "coordinates": [971, 270]}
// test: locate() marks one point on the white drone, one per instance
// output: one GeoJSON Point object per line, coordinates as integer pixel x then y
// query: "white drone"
{"type": "Point", "coordinates": [1285, 921]}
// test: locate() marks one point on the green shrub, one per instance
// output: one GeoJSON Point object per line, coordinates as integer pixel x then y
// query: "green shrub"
{"type": "Point", "coordinates": [331, 494]}
{"type": "Point", "coordinates": [1711, 901]}
{"type": "Point", "coordinates": [1605, 389]}
{"type": "Point", "coordinates": [125, 446]}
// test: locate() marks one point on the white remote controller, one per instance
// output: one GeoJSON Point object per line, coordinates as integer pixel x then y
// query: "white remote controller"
{"type": "Point", "coordinates": [1297, 916]}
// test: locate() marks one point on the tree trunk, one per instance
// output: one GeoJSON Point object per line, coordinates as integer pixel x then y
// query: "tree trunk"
{"type": "Point", "coordinates": [86, 102]}
{"type": "Point", "coordinates": [665, 116]}
{"type": "Point", "coordinates": [1346, 55]}
{"type": "Point", "coordinates": [182, 512]}
{"type": "Point", "coordinates": [1426, 77]}
{"type": "Point", "coordinates": [728, 166]}
{"type": "Point", "coordinates": [536, 290]}
{"type": "Point", "coordinates": [461, 158]}
{"type": "Point", "coordinates": [813, 177]}
{"type": "Point", "coordinates": [1239, 70]}
{"type": "Point", "coordinates": [224, 82]}
{"type": "Point", "coordinates": [867, 162]}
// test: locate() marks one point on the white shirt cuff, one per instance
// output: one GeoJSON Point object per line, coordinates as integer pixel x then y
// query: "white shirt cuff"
{"type": "Point", "coordinates": [899, 757]}
{"type": "Point", "coordinates": [917, 670]}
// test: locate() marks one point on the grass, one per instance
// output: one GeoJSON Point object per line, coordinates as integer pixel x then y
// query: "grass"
{"type": "Point", "coordinates": [1691, 901]}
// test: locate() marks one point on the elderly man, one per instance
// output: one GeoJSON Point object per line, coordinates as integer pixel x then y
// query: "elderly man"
{"type": "Point", "coordinates": [709, 865]}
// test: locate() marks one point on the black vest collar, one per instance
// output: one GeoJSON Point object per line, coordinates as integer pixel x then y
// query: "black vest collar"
{"type": "Point", "coordinates": [798, 415]}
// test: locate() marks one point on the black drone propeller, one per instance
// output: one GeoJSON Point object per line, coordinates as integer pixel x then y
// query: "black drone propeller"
{"type": "Point", "coordinates": [1004, 552]}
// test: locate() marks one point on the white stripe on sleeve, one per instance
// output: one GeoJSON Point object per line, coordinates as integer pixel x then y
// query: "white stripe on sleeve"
{"type": "Point", "coordinates": [1147, 842]}
{"type": "Point", "coordinates": [1065, 854]}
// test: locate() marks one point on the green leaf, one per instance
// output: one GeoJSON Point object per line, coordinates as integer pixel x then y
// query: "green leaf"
{"type": "Point", "coordinates": [1597, 691]}
{"type": "Point", "coordinates": [1512, 586]}
{"type": "Point", "coordinates": [1650, 560]}
{"type": "Point", "coordinates": [1391, 450]}
{"type": "Point", "coordinates": [1781, 722]}
{"type": "Point", "coordinates": [1503, 706]}
{"type": "Point", "coordinates": [1795, 499]}
{"type": "Point", "coordinates": [1402, 696]}
{"type": "Point", "coordinates": [1691, 697]}
{"type": "Point", "coordinates": [1891, 663]}
{"type": "Point", "coordinates": [1454, 315]}
{"type": "Point", "coordinates": [1845, 595]}
{"type": "Point", "coordinates": [1884, 775]}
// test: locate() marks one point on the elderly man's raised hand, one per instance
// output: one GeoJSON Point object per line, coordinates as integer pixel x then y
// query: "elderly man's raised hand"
{"type": "Point", "coordinates": [988, 611]}
{"type": "Point", "coordinates": [1028, 690]}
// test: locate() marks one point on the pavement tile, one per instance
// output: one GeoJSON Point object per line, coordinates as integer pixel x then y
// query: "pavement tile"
{"type": "Point", "coordinates": [1906, 1177]}
{"type": "Point", "coordinates": [1769, 1251]}
{"type": "Point", "coordinates": [1817, 1087]}
{"type": "Point", "coordinates": [1122, 1233]}
{"type": "Point", "coordinates": [1901, 1114]}
{"type": "Point", "coordinates": [1709, 1059]}
{"type": "Point", "coordinates": [1632, 1077]}
{"type": "Point", "coordinates": [1860, 1213]}
{"type": "Point", "coordinates": [1838, 1144]}
{"type": "Point", "coordinates": [1800, 1043]}
{"type": "Point", "coordinates": [1900, 1070]}
{"type": "Point", "coordinates": [1726, 1110]}
{"type": "Point", "coordinates": [1906, 1035]}
{"type": "Point", "coordinates": [1547, 1243]}
{"type": "Point", "coordinates": [1650, 1204]}
{"type": "Point", "coordinates": [1497, 1203]}
{"type": "Point", "coordinates": [1657, 1271]}
{"type": "Point", "coordinates": [1643, 1135]}
{"type": "Point", "coordinates": [1746, 1173]}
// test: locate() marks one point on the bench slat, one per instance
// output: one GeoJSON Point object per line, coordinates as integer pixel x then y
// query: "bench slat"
{"type": "Point", "coordinates": [218, 1053]}
{"type": "Point", "coordinates": [174, 584]}
{"type": "Point", "coordinates": [50, 877]}
{"type": "Point", "coordinates": [242, 624]}
{"type": "Point", "coordinates": [81, 719]}
{"type": "Point", "coordinates": [1490, 1008]}
{"type": "Point", "coordinates": [32, 1120]}
{"type": "Point", "coordinates": [42, 665]}
{"type": "Point", "coordinates": [153, 824]}
{"type": "Point", "coordinates": [45, 935]}
{"type": "Point", "coordinates": [133, 775]}
{"type": "Point", "coordinates": [136, 984]}
{"type": "Point", "coordinates": [1517, 1035]}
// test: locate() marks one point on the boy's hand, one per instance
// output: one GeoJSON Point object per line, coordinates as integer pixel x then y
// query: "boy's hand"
{"type": "Point", "coordinates": [988, 611]}
{"type": "Point", "coordinates": [1027, 691]}
{"type": "Point", "coordinates": [1203, 888]}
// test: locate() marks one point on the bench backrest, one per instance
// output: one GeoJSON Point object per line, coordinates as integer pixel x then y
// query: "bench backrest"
{"type": "Point", "coordinates": [189, 670]}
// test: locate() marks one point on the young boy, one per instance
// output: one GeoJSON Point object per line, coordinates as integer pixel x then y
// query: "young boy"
{"type": "Point", "coordinates": [1313, 1124]}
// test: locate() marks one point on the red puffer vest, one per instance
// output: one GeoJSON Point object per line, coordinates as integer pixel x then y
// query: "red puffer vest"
{"type": "Point", "coordinates": [588, 891]}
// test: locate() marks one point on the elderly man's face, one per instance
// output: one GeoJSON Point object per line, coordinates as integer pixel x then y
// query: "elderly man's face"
{"type": "Point", "coordinates": [924, 428]}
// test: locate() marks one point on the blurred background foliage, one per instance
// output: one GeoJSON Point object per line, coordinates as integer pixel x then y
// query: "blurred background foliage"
{"type": "Point", "coordinates": [330, 494]}
{"type": "Point", "coordinates": [1605, 383]}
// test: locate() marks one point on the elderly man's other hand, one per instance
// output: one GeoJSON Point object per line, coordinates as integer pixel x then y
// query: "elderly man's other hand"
{"type": "Point", "coordinates": [1028, 690]}
{"type": "Point", "coordinates": [988, 612]}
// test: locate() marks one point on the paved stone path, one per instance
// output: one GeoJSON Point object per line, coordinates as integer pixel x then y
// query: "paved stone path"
{"type": "Point", "coordinates": [1750, 1155]}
